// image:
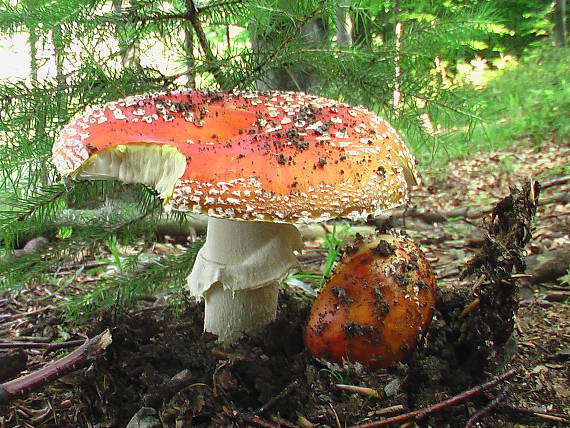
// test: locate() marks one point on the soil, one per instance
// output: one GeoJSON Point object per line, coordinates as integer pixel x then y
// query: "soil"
{"type": "Point", "coordinates": [164, 367]}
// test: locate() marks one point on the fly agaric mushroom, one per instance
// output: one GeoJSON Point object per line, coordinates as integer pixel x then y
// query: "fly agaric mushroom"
{"type": "Point", "coordinates": [264, 158]}
{"type": "Point", "coordinates": [376, 304]}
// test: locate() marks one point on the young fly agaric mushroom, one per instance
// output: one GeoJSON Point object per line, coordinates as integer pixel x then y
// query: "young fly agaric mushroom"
{"type": "Point", "coordinates": [266, 159]}
{"type": "Point", "coordinates": [376, 304]}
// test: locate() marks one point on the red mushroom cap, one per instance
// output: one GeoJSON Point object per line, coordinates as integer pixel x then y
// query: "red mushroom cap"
{"type": "Point", "coordinates": [375, 306]}
{"type": "Point", "coordinates": [256, 156]}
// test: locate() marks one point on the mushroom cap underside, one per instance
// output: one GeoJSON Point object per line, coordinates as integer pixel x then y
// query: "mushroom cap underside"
{"type": "Point", "coordinates": [278, 156]}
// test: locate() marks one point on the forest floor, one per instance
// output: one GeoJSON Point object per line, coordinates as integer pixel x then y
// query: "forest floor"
{"type": "Point", "coordinates": [163, 368]}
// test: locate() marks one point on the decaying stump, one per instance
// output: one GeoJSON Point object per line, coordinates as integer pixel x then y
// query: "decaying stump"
{"type": "Point", "coordinates": [471, 332]}
{"type": "Point", "coordinates": [497, 267]}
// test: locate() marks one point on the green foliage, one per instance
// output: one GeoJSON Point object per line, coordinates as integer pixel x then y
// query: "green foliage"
{"type": "Point", "coordinates": [333, 243]}
{"type": "Point", "coordinates": [536, 95]}
{"type": "Point", "coordinates": [530, 100]}
{"type": "Point", "coordinates": [111, 243]}
{"type": "Point", "coordinates": [338, 375]}
{"type": "Point", "coordinates": [516, 24]}
{"type": "Point", "coordinates": [138, 276]}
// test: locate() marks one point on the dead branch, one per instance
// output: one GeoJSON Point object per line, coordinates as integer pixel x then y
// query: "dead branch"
{"type": "Point", "coordinates": [539, 414]}
{"type": "Point", "coordinates": [485, 410]}
{"type": "Point", "coordinates": [431, 216]}
{"type": "Point", "coordinates": [86, 353]}
{"type": "Point", "coordinates": [168, 389]}
{"type": "Point", "coordinates": [5, 318]}
{"type": "Point", "coordinates": [549, 266]}
{"type": "Point", "coordinates": [254, 419]}
{"type": "Point", "coordinates": [556, 181]}
{"type": "Point", "coordinates": [32, 246]}
{"type": "Point", "coordinates": [35, 345]}
{"type": "Point", "coordinates": [422, 413]}
{"type": "Point", "coordinates": [275, 399]}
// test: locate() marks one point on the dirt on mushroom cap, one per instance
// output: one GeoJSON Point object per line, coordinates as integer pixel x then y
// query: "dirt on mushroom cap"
{"type": "Point", "coordinates": [376, 304]}
{"type": "Point", "coordinates": [278, 156]}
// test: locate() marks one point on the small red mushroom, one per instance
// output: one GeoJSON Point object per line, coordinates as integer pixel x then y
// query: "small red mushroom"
{"type": "Point", "coordinates": [376, 305]}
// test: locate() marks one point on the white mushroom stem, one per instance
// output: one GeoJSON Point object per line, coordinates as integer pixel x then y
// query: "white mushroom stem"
{"type": "Point", "coordinates": [237, 273]}
{"type": "Point", "coordinates": [229, 314]}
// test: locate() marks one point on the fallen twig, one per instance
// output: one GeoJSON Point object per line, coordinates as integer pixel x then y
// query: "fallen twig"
{"type": "Point", "coordinates": [253, 419]}
{"type": "Point", "coordinates": [390, 409]}
{"type": "Point", "coordinates": [485, 410]}
{"type": "Point", "coordinates": [283, 423]}
{"type": "Point", "coordinates": [47, 346]}
{"type": "Point", "coordinates": [90, 350]}
{"type": "Point", "coordinates": [283, 393]}
{"type": "Point", "coordinates": [556, 181]}
{"type": "Point", "coordinates": [430, 215]}
{"type": "Point", "coordinates": [553, 417]}
{"type": "Point", "coordinates": [167, 390]}
{"type": "Point", "coordinates": [32, 246]}
{"type": "Point", "coordinates": [548, 266]}
{"type": "Point", "coordinates": [368, 392]}
{"type": "Point", "coordinates": [11, 317]}
{"type": "Point", "coordinates": [31, 339]}
{"type": "Point", "coordinates": [422, 413]}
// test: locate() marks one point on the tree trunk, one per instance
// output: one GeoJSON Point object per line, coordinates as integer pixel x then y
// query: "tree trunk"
{"type": "Point", "coordinates": [189, 48]}
{"type": "Point", "coordinates": [32, 42]}
{"type": "Point", "coordinates": [560, 29]}
{"type": "Point", "coordinates": [302, 77]}
{"type": "Point", "coordinates": [296, 77]}
{"type": "Point", "coordinates": [397, 93]}
{"type": "Point", "coordinates": [127, 47]}
{"type": "Point", "coordinates": [361, 29]}
{"type": "Point", "coordinates": [59, 50]}
{"type": "Point", "coordinates": [343, 26]}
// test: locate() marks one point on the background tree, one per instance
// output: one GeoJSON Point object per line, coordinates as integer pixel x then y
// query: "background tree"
{"type": "Point", "coordinates": [560, 28]}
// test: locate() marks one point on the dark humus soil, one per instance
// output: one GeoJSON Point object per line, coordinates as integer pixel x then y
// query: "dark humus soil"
{"type": "Point", "coordinates": [164, 369]}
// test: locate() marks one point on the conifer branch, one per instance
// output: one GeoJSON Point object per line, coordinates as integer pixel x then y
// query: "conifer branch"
{"type": "Point", "coordinates": [221, 4]}
{"type": "Point", "coordinates": [30, 206]}
{"type": "Point", "coordinates": [185, 15]}
{"type": "Point", "coordinates": [194, 19]}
